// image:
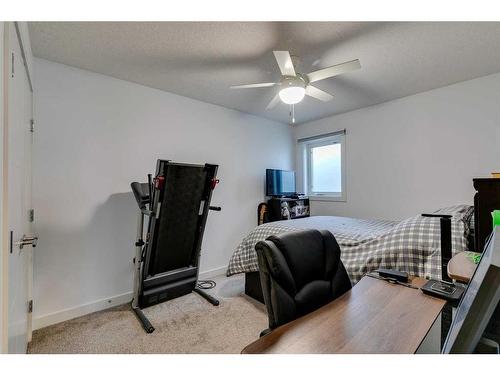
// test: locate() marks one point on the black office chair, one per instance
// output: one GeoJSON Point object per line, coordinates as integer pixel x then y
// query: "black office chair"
{"type": "Point", "coordinates": [299, 272]}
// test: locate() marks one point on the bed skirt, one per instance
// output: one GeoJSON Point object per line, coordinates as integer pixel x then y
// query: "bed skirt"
{"type": "Point", "coordinates": [253, 287]}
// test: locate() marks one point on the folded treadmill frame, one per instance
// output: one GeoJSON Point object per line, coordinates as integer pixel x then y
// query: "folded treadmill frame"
{"type": "Point", "coordinates": [155, 283]}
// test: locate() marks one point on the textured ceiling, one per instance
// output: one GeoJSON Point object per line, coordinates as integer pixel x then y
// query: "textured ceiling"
{"type": "Point", "coordinates": [201, 60]}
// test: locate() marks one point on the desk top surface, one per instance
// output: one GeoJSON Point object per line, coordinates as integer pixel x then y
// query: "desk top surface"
{"type": "Point", "coordinates": [373, 317]}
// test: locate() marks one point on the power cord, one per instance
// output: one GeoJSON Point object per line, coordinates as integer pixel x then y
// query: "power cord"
{"type": "Point", "coordinates": [206, 284]}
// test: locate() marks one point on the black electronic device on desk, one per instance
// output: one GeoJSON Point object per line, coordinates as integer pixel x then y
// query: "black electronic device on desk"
{"type": "Point", "coordinates": [443, 289]}
{"type": "Point", "coordinates": [393, 274]}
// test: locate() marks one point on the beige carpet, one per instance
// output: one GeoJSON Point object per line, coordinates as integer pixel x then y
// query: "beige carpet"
{"type": "Point", "coordinates": [188, 324]}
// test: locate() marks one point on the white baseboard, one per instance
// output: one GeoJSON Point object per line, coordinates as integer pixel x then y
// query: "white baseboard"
{"type": "Point", "coordinates": [77, 311]}
{"type": "Point", "coordinates": [214, 272]}
{"type": "Point", "coordinates": [102, 304]}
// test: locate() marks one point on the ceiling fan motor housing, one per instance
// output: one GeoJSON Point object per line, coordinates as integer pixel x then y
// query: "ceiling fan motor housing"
{"type": "Point", "coordinates": [290, 81]}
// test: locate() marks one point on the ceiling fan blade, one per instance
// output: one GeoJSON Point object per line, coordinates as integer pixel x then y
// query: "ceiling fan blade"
{"type": "Point", "coordinates": [273, 102]}
{"type": "Point", "coordinates": [253, 85]}
{"type": "Point", "coordinates": [285, 63]}
{"type": "Point", "coordinates": [318, 94]}
{"type": "Point", "coordinates": [333, 71]}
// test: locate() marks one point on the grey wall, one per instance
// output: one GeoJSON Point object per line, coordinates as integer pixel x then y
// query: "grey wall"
{"type": "Point", "coordinates": [417, 153]}
{"type": "Point", "coordinates": [95, 135]}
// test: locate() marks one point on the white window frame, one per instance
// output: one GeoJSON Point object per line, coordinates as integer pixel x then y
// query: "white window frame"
{"type": "Point", "coordinates": [307, 147]}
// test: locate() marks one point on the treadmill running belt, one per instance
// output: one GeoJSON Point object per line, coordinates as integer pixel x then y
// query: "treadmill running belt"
{"type": "Point", "coordinates": [176, 233]}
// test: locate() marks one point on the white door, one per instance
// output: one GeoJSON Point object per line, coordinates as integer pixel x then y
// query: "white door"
{"type": "Point", "coordinates": [20, 110]}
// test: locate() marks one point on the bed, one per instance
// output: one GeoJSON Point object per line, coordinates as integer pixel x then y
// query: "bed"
{"type": "Point", "coordinates": [411, 245]}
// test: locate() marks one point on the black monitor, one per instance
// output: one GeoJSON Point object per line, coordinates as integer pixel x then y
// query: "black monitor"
{"type": "Point", "coordinates": [479, 301]}
{"type": "Point", "coordinates": [280, 182]}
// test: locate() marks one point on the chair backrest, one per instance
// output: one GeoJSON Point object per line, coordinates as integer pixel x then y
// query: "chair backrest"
{"type": "Point", "coordinates": [300, 271]}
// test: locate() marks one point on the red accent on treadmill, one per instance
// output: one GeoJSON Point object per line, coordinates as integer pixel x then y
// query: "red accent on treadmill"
{"type": "Point", "coordinates": [159, 182]}
{"type": "Point", "coordinates": [214, 183]}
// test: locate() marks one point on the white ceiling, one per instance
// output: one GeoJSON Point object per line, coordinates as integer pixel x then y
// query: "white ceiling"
{"type": "Point", "coordinates": [201, 60]}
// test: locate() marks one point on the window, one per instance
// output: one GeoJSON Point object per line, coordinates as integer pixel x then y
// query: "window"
{"type": "Point", "coordinates": [324, 166]}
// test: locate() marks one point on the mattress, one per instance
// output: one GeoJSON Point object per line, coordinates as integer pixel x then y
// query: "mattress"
{"type": "Point", "coordinates": [411, 245]}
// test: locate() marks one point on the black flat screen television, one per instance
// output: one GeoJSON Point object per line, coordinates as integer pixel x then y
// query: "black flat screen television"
{"type": "Point", "coordinates": [280, 183]}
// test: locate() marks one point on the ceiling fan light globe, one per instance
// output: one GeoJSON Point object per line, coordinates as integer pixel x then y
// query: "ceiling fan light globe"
{"type": "Point", "coordinates": [292, 94]}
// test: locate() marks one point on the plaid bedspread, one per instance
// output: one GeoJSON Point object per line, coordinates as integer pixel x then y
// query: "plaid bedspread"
{"type": "Point", "coordinates": [411, 245]}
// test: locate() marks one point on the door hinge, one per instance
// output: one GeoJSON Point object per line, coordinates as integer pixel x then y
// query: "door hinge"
{"type": "Point", "coordinates": [32, 125]}
{"type": "Point", "coordinates": [31, 215]}
{"type": "Point", "coordinates": [12, 68]}
{"type": "Point", "coordinates": [30, 306]}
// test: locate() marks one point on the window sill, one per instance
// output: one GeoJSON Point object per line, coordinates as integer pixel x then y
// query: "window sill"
{"type": "Point", "coordinates": [326, 198]}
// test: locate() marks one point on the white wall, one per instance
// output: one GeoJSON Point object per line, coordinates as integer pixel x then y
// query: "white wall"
{"type": "Point", "coordinates": [94, 136]}
{"type": "Point", "coordinates": [417, 153]}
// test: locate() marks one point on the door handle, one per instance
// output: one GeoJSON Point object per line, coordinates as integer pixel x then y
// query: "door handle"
{"type": "Point", "coordinates": [27, 240]}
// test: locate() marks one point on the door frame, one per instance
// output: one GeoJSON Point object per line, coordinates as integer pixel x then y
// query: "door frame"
{"type": "Point", "coordinates": [4, 274]}
{"type": "Point", "coordinates": [21, 29]}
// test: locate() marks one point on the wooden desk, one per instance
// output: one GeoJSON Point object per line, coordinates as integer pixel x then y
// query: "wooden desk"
{"type": "Point", "coordinates": [461, 267]}
{"type": "Point", "coordinates": [373, 317]}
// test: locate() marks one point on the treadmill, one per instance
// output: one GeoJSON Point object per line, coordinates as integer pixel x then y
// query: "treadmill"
{"type": "Point", "coordinates": [166, 262]}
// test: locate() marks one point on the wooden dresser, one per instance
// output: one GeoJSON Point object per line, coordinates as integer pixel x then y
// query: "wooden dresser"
{"type": "Point", "coordinates": [486, 200]}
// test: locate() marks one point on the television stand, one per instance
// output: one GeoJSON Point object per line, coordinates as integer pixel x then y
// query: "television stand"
{"type": "Point", "coordinates": [284, 208]}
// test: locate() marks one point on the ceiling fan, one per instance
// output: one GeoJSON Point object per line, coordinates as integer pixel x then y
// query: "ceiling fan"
{"type": "Point", "coordinates": [294, 86]}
